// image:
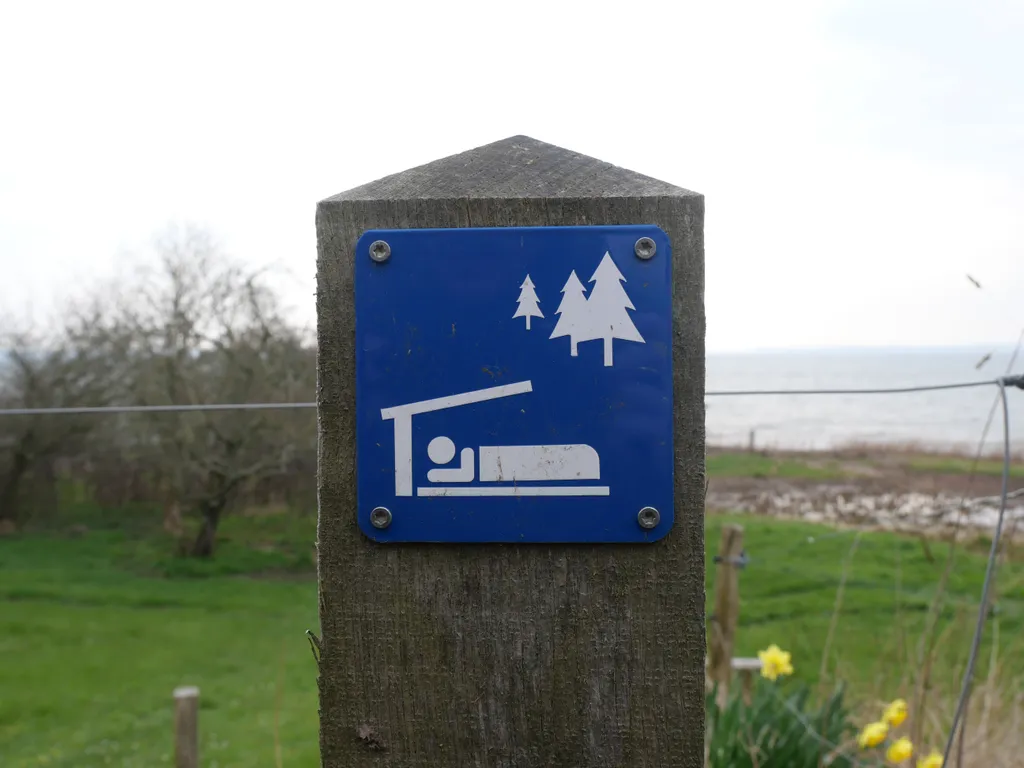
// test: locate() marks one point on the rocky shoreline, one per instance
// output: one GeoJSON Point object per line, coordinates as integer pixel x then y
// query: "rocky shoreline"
{"type": "Point", "coordinates": [882, 490]}
{"type": "Point", "coordinates": [848, 506]}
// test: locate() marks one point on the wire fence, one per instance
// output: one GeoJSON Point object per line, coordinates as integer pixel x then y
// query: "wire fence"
{"type": "Point", "coordinates": [1006, 381]}
{"type": "Point", "coordinates": [1001, 384]}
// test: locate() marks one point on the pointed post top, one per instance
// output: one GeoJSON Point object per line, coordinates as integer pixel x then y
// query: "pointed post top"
{"type": "Point", "coordinates": [516, 167]}
{"type": "Point", "coordinates": [416, 355]}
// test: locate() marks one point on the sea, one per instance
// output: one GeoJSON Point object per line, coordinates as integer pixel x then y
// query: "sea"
{"type": "Point", "coordinates": [952, 420]}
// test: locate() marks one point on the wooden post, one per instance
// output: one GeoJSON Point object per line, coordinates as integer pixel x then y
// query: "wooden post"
{"type": "Point", "coordinates": [727, 608]}
{"type": "Point", "coordinates": [747, 667]}
{"type": "Point", "coordinates": [509, 655]}
{"type": "Point", "coordinates": [186, 727]}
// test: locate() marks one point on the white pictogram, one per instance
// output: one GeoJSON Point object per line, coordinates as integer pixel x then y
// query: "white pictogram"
{"type": "Point", "coordinates": [529, 304]}
{"type": "Point", "coordinates": [600, 316]}
{"type": "Point", "coordinates": [510, 468]}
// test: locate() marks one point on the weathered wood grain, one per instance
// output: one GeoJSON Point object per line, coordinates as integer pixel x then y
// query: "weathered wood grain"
{"type": "Point", "coordinates": [186, 727]}
{"type": "Point", "coordinates": [509, 655]}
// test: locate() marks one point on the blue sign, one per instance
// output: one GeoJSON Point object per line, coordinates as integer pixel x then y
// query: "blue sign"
{"type": "Point", "coordinates": [514, 384]}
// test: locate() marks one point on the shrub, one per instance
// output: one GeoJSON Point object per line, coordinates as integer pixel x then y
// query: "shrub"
{"type": "Point", "coordinates": [778, 730]}
{"type": "Point", "coordinates": [769, 728]}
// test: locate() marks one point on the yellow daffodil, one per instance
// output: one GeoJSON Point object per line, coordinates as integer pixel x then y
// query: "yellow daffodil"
{"type": "Point", "coordinates": [873, 735]}
{"type": "Point", "coordinates": [895, 713]}
{"type": "Point", "coordinates": [934, 760]}
{"type": "Point", "coordinates": [899, 750]}
{"type": "Point", "coordinates": [775, 662]}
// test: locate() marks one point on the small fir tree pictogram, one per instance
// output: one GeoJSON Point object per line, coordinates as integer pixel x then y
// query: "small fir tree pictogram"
{"type": "Point", "coordinates": [529, 304]}
{"type": "Point", "coordinates": [572, 313]}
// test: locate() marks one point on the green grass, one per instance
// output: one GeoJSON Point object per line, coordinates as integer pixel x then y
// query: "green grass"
{"type": "Point", "coordinates": [954, 465]}
{"type": "Point", "coordinates": [788, 595]}
{"type": "Point", "coordinates": [760, 465]}
{"type": "Point", "coordinates": [96, 631]}
{"type": "Point", "coordinates": [764, 465]}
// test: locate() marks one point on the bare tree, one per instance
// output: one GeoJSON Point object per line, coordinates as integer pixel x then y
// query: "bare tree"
{"type": "Point", "coordinates": [76, 364]}
{"type": "Point", "coordinates": [206, 329]}
{"type": "Point", "coordinates": [193, 327]}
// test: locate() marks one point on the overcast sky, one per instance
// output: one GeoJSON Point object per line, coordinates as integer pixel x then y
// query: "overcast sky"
{"type": "Point", "coordinates": [858, 159]}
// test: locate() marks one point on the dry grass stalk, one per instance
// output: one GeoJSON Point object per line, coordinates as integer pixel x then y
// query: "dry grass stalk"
{"type": "Point", "coordinates": [836, 610]}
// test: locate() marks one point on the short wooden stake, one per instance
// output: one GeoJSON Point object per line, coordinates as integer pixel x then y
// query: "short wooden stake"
{"type": "Point", "coordinates": [746, 668]}
{"type": "Point", "coordinates": [727, 608]}
{"type": "Point", "coordinates": [186, 727]}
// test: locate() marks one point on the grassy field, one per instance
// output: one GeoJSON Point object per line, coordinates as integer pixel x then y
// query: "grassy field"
{"type": "Point", "coordinates": [759, 465]}
{"type": "Point", "coordinates": [789, 594]}
{"type": "Point", "coordinates": [96, 630]}
{"type": "Point", "coordinates": [956, 465]}
{"type": "Point", "coordinates": [826, 466]}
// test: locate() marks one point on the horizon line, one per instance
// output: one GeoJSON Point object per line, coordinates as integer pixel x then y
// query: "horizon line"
{"type": "Point", "coordinates": [986, 346]}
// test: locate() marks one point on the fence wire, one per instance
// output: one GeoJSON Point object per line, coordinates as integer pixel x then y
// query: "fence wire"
{"type": "Point", "coordinates": [1002, 383]}
{"type": "Point", "coordinates": [1005, 381]}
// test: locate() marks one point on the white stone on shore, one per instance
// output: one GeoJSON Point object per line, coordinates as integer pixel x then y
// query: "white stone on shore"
{"type": "Point", "coordinates": [894, 511]}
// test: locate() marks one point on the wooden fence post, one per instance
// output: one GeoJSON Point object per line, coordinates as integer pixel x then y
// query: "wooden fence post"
{"type": "Point", "coordinates": [746, 668]}
{"type": "Point", "coordinates": [506, 654]}
{"type": "Point", "coordinates": [727, 608]}
{"type": "Point", "coordinates": [186, 727]}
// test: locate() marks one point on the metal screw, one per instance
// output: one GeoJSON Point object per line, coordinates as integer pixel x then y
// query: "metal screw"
{"type": "Point", "coordinates": [380, 517]}
{"type": "Point", "coordinates": [645, 248]}
{"type": "Point", "coordinates": [380, 251]}
{"type": "Point", "coordinates": [648, 518]}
